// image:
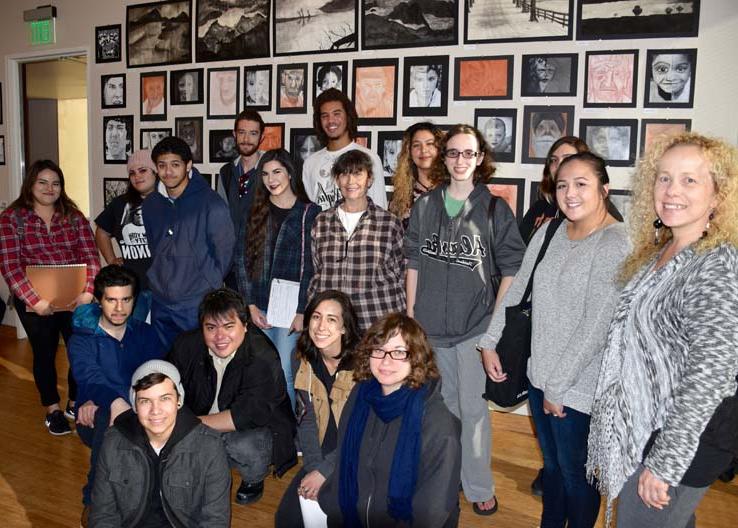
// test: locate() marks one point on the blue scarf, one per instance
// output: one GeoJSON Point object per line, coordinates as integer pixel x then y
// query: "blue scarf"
{"type": "Point", "coordinates": [404, 402]}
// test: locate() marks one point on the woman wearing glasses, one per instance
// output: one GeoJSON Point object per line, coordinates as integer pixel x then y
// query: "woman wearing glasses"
{"type": "Point", "coordinates": [458, 241]}
{"type": "Point", "coordinates": [398, 458]}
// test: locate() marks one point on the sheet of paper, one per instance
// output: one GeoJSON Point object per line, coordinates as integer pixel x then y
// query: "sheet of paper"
{"type": "Point", "coordinates": [312, 515]}
{"type": "Point", "coordinates": [283, 297]}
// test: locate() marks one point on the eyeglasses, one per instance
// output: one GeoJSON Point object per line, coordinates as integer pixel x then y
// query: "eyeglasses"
{"type": "Point", "coordinates": [399, 354]}
{"type": "Point", "coordinates": [466, 154]}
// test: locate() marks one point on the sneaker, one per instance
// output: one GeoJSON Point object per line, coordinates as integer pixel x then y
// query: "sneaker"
{"type": "Point", "coordinates": [69, 412]}
{"type": "Point", "coordinates": [536, 487]}
{"type": "Point", "coordinates": [57, 424]}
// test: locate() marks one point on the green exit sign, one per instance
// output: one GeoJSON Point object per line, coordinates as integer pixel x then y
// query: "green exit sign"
{"type": "Point", "coordinates": [41, 32]}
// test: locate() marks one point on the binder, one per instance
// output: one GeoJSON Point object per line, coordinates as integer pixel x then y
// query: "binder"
{"type": "Point", "coordinates": [58, 284]}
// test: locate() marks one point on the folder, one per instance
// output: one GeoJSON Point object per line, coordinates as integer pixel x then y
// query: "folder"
{"type": "Point", "coordinates": [58, 284]}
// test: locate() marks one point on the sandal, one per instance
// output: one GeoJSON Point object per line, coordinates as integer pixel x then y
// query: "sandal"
{"type": "Point", "coordinates": [480, 511]}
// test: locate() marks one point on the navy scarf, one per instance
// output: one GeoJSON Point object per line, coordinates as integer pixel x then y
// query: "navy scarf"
{"type": "Point", "coordinates": [404, 402]}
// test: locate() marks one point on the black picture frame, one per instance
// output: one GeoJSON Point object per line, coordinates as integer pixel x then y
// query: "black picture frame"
{"type": "Point", "coordinates": [190, 129]}
{"type": "Point", "coordinates": [208, 177]}
{"type": "Point", "coordinates": [150, 78]}
{"type": "Point", "coordinates": [373, 100]}
{"type": "Point", "coordinates": [608, 138]}
{"type": "Point", "coordinates": [364, 138]}
{"type": "Point", "coordinates": [650, 127]}
{"type": "Point", "coordinates": [653, 95]}
{"type": "Point", "coordinates": [112, 136]}
{"type": "Point", "coordinates": [389, 144]}
{"type": "Point", "coordinates": [606, 21]}
{"type": "Point", "coordinates": [222, 146]}
{"type": "Point", "coordinates": [336, 73]}
{"type": "Point", "coordinates": [288, 77]}
{"type": "Point", "coordinates": [296, 30]}
{"type": "Point", "coordinates": [504, 188]}
{"type": "Point", "coordinates": [435, 65]}
{"type": "Point", "coordinates": [242, 34]}
{"type": "Point", "coordinates": [401, 24]}
{"type": "Point", "coordinates": [112, 92]}
{"type": "Point", "coordinates": [193, 80]}
{"type": "Point", "coordinates": [487, 120]}
{"type": "Point", "coordinates": [107, 44]}
{"type": "Point", "coordinates": [147, 141]}
{"type": "Point", "coordinates": [2, 150]}
{"type": "Point", "coordinates": [536, 69]}
{"type": "Point", "coordinates": [112, 188]}
{"type": "Point", "coordinates": [482, 25]}
{"type": "Point", "coordinates": [544, 118]}
{"type": "Point", "coordinates": [143, 48]}
{"type": "Point", "coordinates": [273, 136]}
{"type": "Point", "coordinates": [483, 78]}
{"type": "Point", "coordinates": [219, 108]}
{"type": "Point", "coordinates": [304, 143]}
{"type": "Point", "coordinates": [257, 80]}
{"type": "Point", "coordinates": [610, 79]}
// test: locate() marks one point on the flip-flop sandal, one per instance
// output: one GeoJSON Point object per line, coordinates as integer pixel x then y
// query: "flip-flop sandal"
{"type": "Point", "coordinates": [480, 511]}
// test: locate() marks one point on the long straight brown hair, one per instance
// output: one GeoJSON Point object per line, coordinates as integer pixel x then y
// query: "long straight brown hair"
{"type": "Point", "coordinates": [64, 205]}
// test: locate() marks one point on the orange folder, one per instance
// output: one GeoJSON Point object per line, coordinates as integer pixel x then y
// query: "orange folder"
{"type": "Point", "coordinates": [60, 285]}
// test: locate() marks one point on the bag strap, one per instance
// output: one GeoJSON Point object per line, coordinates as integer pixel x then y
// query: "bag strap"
{"type": "Point", "coordinates": [550, 231]}
{"type": "Point", "coordinates": [492, 228]}
{"type": "Point", "coordinates": [302, 242]}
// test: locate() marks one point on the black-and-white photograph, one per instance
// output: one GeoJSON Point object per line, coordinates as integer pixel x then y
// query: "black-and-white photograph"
{"type": "Point", "coordinates": [159, 33]}
{"type": "Point", "coordinates": [223, 90]}
{"type": "Point", "coordinates": [329, 75]}
{"type": "Point", "coordinates": [389, 145]}
{"type": "Point", "coordinates": [303, 143]}
{"type": "Point", "coordinates": [257, 92]}
{"type": "Point", "coordinates": [2, 150]}
{"type": "Point", "coordinates": [511, 21]}
{"type": "Point", "coordinates": [113, 88]}
{"type": "Point", "coordinates": [190, 130]}
{"type": "Point", "coordinates": [186, 87]}
{"type": "Point", "coordinates": [291, 80]}
{"type": "Point", "coordinates": [222, 146]}
{"type": "Point", "coordinates": [670, 78]}
{"type": "Point", "coordinates": [611, 139]}
{"type": "Point", "coordinates": [232, 30]}
{"type": "Point", "coordinates": [315, 26]}
{"type": "Point", "coordinates": [549, 75]}
{"type": "Point", "coordinates": [149, 137]}
{"type": "Point", "coordinates": [107, 43]}
{"type": "Point", "coordinates": [154, 96]}
{"type": "Point", "coordinates": [621, 19]}
{"type": "Point", "coordinates": [112, 188]}
{"type": "Point", "coordinates": [117, 138]}
{"type": "Point", "coordinates": [498, 125]}
{"type": "Point", "coordinates": [542, 125]}
{"type": "Point", "coordinates": [389, 24]}
{"type": "Point", "coordinates": [425, 86]}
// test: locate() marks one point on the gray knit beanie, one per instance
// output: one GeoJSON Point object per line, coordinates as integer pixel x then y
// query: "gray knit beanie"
{"type": "Point", "coordinates": [162, 367]}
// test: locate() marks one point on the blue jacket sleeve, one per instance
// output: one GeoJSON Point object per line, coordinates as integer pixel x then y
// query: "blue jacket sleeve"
{"type": "Point", "coordinates": [221, 236]}
{"type": "Point", "coordinates": [87, 371]}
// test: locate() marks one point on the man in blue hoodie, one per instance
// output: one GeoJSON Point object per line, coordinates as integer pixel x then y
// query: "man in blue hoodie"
{"type": "Point", "coordinates": [191, 239]}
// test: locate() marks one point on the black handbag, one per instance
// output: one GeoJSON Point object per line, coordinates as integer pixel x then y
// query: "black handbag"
{"type": "Point", "coordinates": [514, 344]}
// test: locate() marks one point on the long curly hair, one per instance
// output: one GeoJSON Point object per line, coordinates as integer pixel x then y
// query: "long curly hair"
{"type": "Point", "coordinates": [64, 205]}
{"type": "Point", "coordinates": [407, 172]}
{"type": "Point", "coordinates": [482, 174]}
{"type": "Point", "coordinates": [723, 161]}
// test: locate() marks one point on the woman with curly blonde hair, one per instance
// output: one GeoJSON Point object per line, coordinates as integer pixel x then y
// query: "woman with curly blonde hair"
{"type": "Point", "coordinates": [665, 414]}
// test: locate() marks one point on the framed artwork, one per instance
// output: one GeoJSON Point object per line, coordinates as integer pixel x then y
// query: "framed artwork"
{"type": "Point", "coordinates": [2, 150]}
{"type": "Point", "coordinates": [291, 81]}
{"type": "Point", "coordinates": [401, 24]}
{"type": "Point", "coordinates": [113, 90]}
{"type": "Point", "coordinates": [495, 21]}
{"type": "Point", "coordinates": [315, 26]}
{"type": "Point", "coordinates": [159, 33]}
{"type": "Point", "coordinates": [190, 130]}
{"type": "Point", "coordinates": [107, 43]}
{"type": "Point", "coordinates": [389, 144]}
{"type": "Point", "coordinates": [533, 193]}
{"type": "Point", "coordinates": [631, 20]}
{"type": "Point", "coordinates": [670, 78]}
{"type": "Point", "coordinates": [364, 138]}
{"type": "Point", "coordinates": [483, 78]}
{"type": "Point", "coordinates": [273, 137]}
{"type": "Point", "coordinates": [232, 30]}
{"type": "Point", "coordinates": [549, 75]}
{"type": "Point", "coordinates": [113, 187]}
{"type": "Point", "coordinates": [304, 143]}
{"type": "Point", "coordinates": [186, 87]}
{"type": "Point", "coordinates": [425, 86]}
{"type": "Point", "coordinates": [542, 125]}
{"type": "Point", "coordinates": [652, 129]}
{"type": "Point", "coordinates": [329, 75]}
{"type": "Point", "coordinates": [222, 146]}
{"type": "Point", "coordinates": [223, 88]}
{"type": "Point", "coordinates": [512, 190]}
{"type": "Point", "coordinates": [612, 139]}
{"type": "Point", "coordinates": [374, 91]}
{"type": "Point", "coordinates": [154, 96]}
{"type": "Point", "coordinates": [149, 137]}
{"type": "Point", "coordinates": [257, 93]}
{"type": "Point", "coordinates": [499, 128]}
{"type": "Point", "coordinates": [622, 199]}
{"type": "Point", "coordinates": [117, 138]}
{"type": "Point", "coordinates": [611, 79]}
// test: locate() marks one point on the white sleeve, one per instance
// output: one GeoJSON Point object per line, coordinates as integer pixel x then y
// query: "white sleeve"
{"type": "Point", "coordinates": [377, 191]}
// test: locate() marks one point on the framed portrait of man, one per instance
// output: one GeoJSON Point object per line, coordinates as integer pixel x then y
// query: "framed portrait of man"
{"type": "Point", "coordinates": [670, 78]}
{"type": "Point", "coordinates": [107, 43]}
{"type": "Point", "coordinates": [154, 96]}
{"type": "Point", "coordinates": [498, 125]}
{"type": "Point", "coordinates": [291, 81]}
{"type": "Point", "coordinates": [113, 90]}
{"type": "Point", "coordinates": [612, 139]}
{"type": "Point", "coordinates": [257, 92]}
{"type": "Point", "coordinates": [542, 126]}
{"type": "Point", "coordinates": [186, 87]}
{"type": "Point", "coordinates": [425, 86]}
{"type": "Point", "coordinates": [375, 91]}
{"type": "Point", "coordinates": [222, 145]}
{"type": "Point", "coordinates": [189, 129]}
{"type": "Point", "coordinates": [611, 79]}
{"type": "Point", "coordinates": [223, 90]}
{"type": "Point", "coordinates": [149, 137]}
{"type": "Point", "coordinates": [273, 136]}
{"type": "Point", "coordinates": [117, 138]}
{"type": "Point", "coordinates": [552, 75]}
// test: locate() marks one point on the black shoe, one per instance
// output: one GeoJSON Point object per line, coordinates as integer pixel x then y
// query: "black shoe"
{"type": "Point", "coordinates": [57, 424]}
{"type": "Point", "coordinates": [248, 493]}
{"type": "Point", "coordinates": [536, 487]}
{"type": "Point", "coordinates": [69, 412]}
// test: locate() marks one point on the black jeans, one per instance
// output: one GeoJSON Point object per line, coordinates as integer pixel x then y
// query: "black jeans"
{"type": "Point", "coordinates": [43, 334]}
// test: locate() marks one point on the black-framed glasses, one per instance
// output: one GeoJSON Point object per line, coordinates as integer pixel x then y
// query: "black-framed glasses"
{"type": "Point", "coordinates": [399, 354]}
{"type": "Point", "coordinates": [466, 154]}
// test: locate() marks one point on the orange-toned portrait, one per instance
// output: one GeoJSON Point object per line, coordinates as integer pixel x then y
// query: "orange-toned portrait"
{"type": "Point", "coordinates": [272, 138]}
{"type": "Point", "coordinates": [483, 78]}
{"type": "Point", "coordinates": [655, 130]}
{"type": "Point", "coordinates": [509, 193]}
{"type": "Point", "coordinates": [375, 94]}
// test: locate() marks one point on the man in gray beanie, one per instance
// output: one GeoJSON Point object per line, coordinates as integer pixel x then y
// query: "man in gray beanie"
{"type": "Point", "coordinates": [159, 465]}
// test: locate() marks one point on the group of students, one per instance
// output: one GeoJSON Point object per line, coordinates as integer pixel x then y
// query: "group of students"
{"type": "Point", "coordinates": [633, 369]}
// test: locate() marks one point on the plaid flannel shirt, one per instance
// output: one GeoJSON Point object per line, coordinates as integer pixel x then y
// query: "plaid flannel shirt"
{"type": "Point", "coordinates": [368, 266]}
{"type": "Point", "coordinates": [67, 241]}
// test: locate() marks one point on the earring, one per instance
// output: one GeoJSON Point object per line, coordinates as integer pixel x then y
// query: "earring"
{"type": "Point", "coordinates": [707, 226]}
{"type": "Point", "coordinates": [657, 224]}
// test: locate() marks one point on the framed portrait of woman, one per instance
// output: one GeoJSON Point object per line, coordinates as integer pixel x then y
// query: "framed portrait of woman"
{"type": "Point", "coordinates": [425, 86]}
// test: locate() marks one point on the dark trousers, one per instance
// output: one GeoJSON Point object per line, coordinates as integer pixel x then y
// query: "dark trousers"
{"type": "Point", "coordinates": [567, 495]}
{"type": "Point", "coordinates": [169, 322]}
{"type": "Point", "coordinates": [43, 334]}
{"type": "Point", "coordinates": [288, 514]}
{"type": "Point", "coordinates": [93, 438]}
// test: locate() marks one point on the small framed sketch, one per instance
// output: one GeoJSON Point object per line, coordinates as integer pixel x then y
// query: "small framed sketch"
{"type": "Point", "coordinates": [652, 129]}
{"type": "Point", "coordinates": [107, 43]}
{"type": "Point", "coordinates": [190, 130]}
{"type": "Point", "coordinates": [113, 187]}
{"type": "Point", "coordinates": [375, 91]}
{"type": "Point", "coordinates": [388, 149]}
{"type": "Point", "coordinates": [598, 20]}
{"type": "Point", "coordinates": [113, 90]}
{"type": "Point", "coordinates": [364, 138]}
{"type": "Point", "coordinates": [499, 128]}
{"type": "Point", "coordinates": [117, 138]}
{"type": "Point", "coordinates": [186, 87]}
{"type": "Point", "coordinates": [542, 125]}
{"type": "Point", "coordinates": [149, 137]}
{"type": "Point", "coordinates": [612, 139]}
{"type": "Point", "coordinates": [549, 75]}
{"type": "Point", "coordinates": [622, 199]}
{"type": "Point", "coordinates": [512, 190]}
{"type": "Point", "coordinates": [273, 136]}
{"type": "Point", "coordinates": [154, 96]}
{"type": "Point", "coordinates": [291, 80]}
{"type": "Point", "coordinates": [2, 150]}
{"type": "Point", "coordinates": [329, 75]}
{"type": "Point", "coordinates": [223, 92]}
{"type": "Point", "coordinates": [426, 86]}
{"type": "Point", "coordinates": [611, 79]}
{"type": "Point", "coordinates": [304, 143]}
{"type": "Point", "coordinates": [222, 145]}
{"type": "Point", "coordinates": [257, 93]}
{"type": "Point", "coordinates": [670, 78]}
{"type": "Point", "coordinates": [483, 78]}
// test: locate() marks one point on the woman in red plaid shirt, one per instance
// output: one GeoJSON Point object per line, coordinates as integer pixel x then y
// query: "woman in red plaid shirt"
{"type": "Point", "coordinates": [44, 226]}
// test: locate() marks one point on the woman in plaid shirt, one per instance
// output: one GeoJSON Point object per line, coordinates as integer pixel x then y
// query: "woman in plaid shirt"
{"type": "Point", "coordinates": [44, 226]}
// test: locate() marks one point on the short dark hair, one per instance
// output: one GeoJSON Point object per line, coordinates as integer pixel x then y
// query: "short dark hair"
{"type": "Point", "coordinates": [306, 348]}
{"type": "Point", "coordinates": [323, 71]}
{"type": "Point", "coordinates": [114, 275]}
{"type": "Point", "coordinates": [221, 302]}
{"type": "Point", "coordinates": [352, 118]}
{"type": "Point", "coordinates": [149, 380]}
{"type": "Point", "coordinates": [172, 145]}
{"type": "Point", "coordinates": [249, 115]}
{"type": "Point", "coordinates": [352, 161]}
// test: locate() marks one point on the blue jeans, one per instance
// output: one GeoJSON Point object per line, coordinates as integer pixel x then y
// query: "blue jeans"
{"type": "Point", "coordinates": [285, 344]}
{"type": "Point", "coordinates": [93, 437]}
{"type": "Point", "coordinates": [170, 321]}
{"type": "Point", "coordinates": [567, 496]}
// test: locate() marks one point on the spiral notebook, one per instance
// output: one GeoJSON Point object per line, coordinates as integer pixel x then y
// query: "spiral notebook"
{"type": "Point", "coordinates": [60, 285]}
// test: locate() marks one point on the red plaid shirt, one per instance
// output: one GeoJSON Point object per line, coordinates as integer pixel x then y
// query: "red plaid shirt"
{"type": "Point", "coordinates": [68, 241]}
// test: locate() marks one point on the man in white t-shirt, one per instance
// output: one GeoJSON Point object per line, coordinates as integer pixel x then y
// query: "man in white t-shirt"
{"type": "Point", "coordinates": [335, 122]}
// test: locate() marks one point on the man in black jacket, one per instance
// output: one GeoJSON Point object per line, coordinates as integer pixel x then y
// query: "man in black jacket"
{"type": "Point", "coordinates": [233, 381]}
